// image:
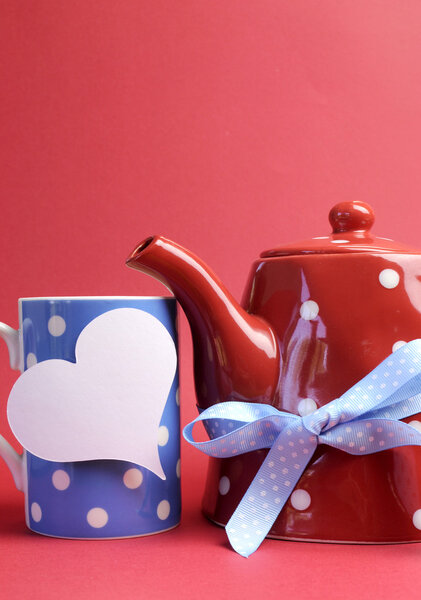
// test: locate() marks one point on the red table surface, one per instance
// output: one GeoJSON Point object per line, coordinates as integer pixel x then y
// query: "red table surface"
{"type": "Point", "coordinates": [230, 126]}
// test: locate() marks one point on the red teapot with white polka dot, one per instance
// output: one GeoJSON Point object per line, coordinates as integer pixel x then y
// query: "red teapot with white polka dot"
{"type": "Point", "coordinates": [316, 317]}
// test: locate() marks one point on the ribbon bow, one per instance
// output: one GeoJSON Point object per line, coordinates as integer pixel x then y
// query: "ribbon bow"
{"type": "Point", "coordinates": [364, 420]}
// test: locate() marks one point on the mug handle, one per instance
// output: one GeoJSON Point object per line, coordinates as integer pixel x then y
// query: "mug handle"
{"type": "Point", "coordinates": [13, 460]}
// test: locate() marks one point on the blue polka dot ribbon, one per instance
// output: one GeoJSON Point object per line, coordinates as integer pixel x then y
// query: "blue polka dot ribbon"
{"type": "Point", "coordinates": [364, 420]}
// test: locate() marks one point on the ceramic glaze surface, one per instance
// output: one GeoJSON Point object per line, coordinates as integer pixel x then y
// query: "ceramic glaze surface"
{"type": "Point", "coordinates": [316, 317]}
{"type": "Point", "coordinates": [100, 498]}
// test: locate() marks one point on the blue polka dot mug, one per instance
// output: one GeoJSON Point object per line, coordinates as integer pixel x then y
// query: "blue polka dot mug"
{"type": "Point", "coordinates": [96, 498]}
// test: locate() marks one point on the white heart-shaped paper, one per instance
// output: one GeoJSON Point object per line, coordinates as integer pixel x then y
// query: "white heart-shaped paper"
{"type": "Point", "coordinates": [109, 404]}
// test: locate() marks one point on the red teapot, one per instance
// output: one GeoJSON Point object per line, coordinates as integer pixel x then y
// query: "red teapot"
{"type": "Point", "coordinates": [316, 317]}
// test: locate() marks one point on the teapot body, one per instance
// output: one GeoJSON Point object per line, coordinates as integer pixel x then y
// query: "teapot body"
{"type": "Point", "coordinates": [336, 318]}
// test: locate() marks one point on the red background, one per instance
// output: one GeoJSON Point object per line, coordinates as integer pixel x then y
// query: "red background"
{"type": "Point", "coordinates": [231, 127]}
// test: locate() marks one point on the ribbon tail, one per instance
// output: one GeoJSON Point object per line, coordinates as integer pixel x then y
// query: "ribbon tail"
{"type": "Point", "coordinates": [270, 489]}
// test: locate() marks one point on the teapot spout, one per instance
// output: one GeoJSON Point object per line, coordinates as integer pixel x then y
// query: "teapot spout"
{"type": "Point", "coordinates": [236, 355]}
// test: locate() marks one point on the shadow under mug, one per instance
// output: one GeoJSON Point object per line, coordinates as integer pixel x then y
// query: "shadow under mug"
{"type": "Point", "coordinates": [98, 498]}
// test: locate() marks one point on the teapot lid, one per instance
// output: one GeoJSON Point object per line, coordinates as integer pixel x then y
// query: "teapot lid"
{"type": "Point", "coordinates": [351, 223]}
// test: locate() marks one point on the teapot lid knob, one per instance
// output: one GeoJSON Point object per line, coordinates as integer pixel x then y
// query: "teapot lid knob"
{"type": "Point", "coordinates": [351, 223]}
{"type": "Point", "coordinates": [351, 216]}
